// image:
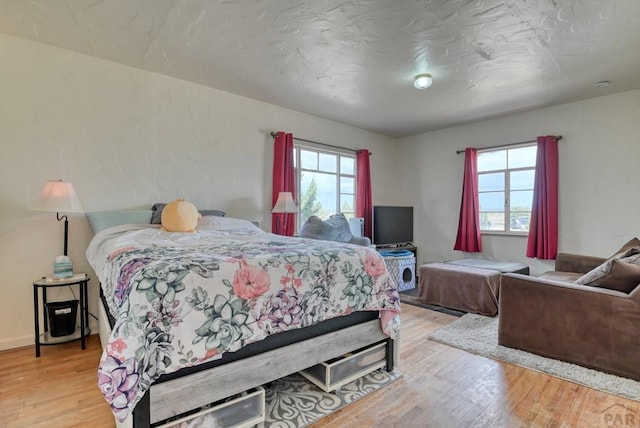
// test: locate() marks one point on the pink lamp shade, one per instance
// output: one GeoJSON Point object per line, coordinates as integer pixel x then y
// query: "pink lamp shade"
{"type": "Point", "coordinates": [59, 197]}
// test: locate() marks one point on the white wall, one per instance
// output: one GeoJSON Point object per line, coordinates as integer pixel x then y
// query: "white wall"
{"type": "Point", "coordinates": [599, 165]}
{"type": "Point", "coordinates": [127, 138]}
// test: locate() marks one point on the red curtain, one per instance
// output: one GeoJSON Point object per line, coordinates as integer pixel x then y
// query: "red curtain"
{"type": "Point", "coordinates": [283, 181]}
{"type": "Point", "coordinates": [364, 202]}
{"type": "Point", "coordinates": [543, 229]}
{"type": "Point", "coordinates": [468, 238]}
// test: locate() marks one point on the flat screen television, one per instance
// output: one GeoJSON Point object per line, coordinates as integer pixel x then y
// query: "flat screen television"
{"type": "Point", "coordinates": [392, 225]}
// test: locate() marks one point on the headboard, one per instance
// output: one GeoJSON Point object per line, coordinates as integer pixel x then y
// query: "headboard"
{"type": "Point", "coordinates": [100, 220]}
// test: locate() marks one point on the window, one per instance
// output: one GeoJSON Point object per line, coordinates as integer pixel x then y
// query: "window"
{"type": "Point", "coordinates": [326, 183]}
{"type": "Point", "coordinates": [505, 189]}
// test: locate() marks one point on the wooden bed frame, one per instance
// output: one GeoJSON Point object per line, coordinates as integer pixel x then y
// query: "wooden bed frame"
{"type": "Point", "coordinates": [173, 397]}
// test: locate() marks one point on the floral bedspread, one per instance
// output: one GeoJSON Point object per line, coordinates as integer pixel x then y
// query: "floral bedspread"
{"type": "Point", "coordinates": [183, 299]}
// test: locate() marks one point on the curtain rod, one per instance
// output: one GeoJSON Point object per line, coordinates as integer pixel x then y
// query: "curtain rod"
{"type": "Point", "coordinates": [274, 134]}
{"type": "Point", "coordinates": [559, 137]}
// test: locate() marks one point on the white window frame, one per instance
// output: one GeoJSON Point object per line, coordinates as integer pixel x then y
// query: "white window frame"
{"type": "Point", "coordinates": [334, 152]}
{"type": "Point", "coordinates": [507, 191]}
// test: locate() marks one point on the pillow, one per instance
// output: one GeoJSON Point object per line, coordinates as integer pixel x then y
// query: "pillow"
{"type": "Point", "coordinates": [340, 222]}
{"type": "Point", "coordinates": [315, 228]}
{"type": "Point", "coordinates": [215, 213]}
{"type": "Point", "coordinates": [336, 228]}
{"type": "Point", "coordinates": [621, 274]}
{"type": "Point", "coordinates": [629, 249]}
{"type": "Point", "coordinates": [156, 217]}
{"type": "Point", "coordinates": [101, 220]}
{"type": "Point", "coordinates": [228, 223]}
{"type": "Point", "coordinates": [633, 244]}
{"type": "Point", "coordinates": [180, 216]}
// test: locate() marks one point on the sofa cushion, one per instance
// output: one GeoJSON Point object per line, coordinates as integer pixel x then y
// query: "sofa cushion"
{"type": "Point", "coordinates": [599, 275]}
{"type": "Point", "coordinates": [561, 276]}
{"type": "Point", "coordinates": [622, 274]}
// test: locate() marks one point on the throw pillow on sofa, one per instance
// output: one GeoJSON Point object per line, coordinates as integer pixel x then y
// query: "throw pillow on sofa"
{"type": "Point", "coordinates": [617, 273]}
{"type": "Point", "coordinates": [623, 277]}
{"type": "Point", "coordinates": [627, 249]}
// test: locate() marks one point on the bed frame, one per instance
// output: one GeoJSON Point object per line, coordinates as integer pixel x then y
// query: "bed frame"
{"type": "Point", "coordinates": [175, 396]}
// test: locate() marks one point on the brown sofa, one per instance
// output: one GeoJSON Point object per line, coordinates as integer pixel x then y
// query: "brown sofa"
{"type": "Point", "coordinates": [586, 325]}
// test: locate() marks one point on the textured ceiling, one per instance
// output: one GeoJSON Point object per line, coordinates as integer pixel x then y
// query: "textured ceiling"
{"type": "Point", "coordinates": [353, 61]}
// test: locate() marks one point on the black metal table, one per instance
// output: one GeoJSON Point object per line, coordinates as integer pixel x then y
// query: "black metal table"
{"type": "Point", "coordinates": [46, 338]}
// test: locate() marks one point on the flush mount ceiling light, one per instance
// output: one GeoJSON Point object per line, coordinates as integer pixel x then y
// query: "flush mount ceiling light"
{"type": "Point", "coordinates": [422, 81]}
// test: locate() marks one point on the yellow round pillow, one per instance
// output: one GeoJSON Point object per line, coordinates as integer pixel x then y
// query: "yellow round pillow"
{"type": "Point", "coordinates": [179, 216]}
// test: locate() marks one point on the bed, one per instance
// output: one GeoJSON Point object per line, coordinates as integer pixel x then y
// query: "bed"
{"type": "Point", "coordinates": [188, 319]}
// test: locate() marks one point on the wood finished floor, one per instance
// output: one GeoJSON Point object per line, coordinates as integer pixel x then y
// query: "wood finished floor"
{"type": "Point", "coordinates": [441, 387]}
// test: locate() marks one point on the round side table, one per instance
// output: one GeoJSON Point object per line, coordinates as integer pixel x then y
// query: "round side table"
{"type": "Point", "coordinates": [81, 332]}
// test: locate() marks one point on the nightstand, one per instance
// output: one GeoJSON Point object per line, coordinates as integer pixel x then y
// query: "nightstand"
{"type": "Point", "coordinates": [46, 338]}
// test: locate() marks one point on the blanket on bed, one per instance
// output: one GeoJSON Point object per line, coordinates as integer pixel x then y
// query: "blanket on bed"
{"type": "Point", "coordinates": [180, 299]}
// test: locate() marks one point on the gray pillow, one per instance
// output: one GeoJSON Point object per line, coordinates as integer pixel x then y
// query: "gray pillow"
{"type": "Point", "coordinates": [156, 209]}
{"type": "Point", "coordinates": [216, 213]}
{"type": "Point", "coordinates": [341, 224]}
{"type": "Point", "coordinates": [156, 216]}
{"type": "Point", "coordinates": [336, 228]}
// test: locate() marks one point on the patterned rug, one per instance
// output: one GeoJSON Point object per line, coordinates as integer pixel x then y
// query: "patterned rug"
{"type": "Point", "coordinates": [479, 335]}
{"type": "Point", "coordinates": [295, 402]}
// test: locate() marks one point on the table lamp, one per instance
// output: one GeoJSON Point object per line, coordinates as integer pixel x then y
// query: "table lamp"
{"type": "Point", "coordinates": [284, 205]}
{"type": "Point", "coordinates": [59, 196]}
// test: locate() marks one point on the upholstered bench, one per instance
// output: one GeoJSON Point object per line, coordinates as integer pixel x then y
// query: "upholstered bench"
{"type": "Point", "coordinates": [464, 286]}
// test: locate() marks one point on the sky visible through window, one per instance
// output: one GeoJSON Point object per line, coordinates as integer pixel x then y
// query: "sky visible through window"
{"type": "Point", "coordinates": [334, 177]}
{"type": "Point", "coordinates": [505, 187]}
{"type": "Point", "coordinates": [326, 188]}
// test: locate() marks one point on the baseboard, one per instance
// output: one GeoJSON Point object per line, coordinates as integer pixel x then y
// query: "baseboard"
{"type": "Point", "coordinates": [20, 342]}
{"type": "Point", "coordinates": [16, 342]}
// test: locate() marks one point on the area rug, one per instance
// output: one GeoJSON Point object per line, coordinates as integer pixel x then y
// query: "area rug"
{"type": "Point", "coordinates": [479, 334]}
{"type": "Point", "coordinates": [295, 402]}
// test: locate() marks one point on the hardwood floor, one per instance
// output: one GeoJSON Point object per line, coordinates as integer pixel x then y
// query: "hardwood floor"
{"type": "Point", "coordinates": [441, 387]}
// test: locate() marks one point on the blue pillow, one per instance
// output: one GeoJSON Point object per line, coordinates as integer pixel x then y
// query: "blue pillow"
{"type": "Point", "coordinates": [101, 220]}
